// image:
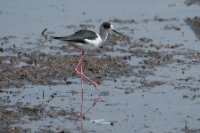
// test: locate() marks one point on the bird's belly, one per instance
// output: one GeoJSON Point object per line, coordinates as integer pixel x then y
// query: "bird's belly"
{"type": "Point", "coordinates": [84, 47]}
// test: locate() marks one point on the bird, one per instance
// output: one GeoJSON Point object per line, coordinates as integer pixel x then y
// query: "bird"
{"type": "Point", "coordinates": [87, 40]}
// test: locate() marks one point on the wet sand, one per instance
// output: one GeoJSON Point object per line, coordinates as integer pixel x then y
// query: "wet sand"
{"type": "Point", "coordinates": [149, 80]}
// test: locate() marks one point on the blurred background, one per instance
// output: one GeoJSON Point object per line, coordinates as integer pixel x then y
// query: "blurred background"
{"type": "Point", "coordinates": [149, 81]}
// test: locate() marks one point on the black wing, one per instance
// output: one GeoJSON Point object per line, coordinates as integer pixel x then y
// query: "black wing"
{"type": "Point", "coordinates": [78, 36]}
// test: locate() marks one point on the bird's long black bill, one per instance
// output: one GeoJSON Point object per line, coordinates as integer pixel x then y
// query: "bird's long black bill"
{"type": "Point", "coordinates": [117, 32]}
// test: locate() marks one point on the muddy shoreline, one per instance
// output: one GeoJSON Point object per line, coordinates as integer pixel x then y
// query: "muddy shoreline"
{"type": "Point", "coordinates": [150, 77]}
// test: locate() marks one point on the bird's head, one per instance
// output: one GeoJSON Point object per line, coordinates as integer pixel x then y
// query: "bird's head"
{"type": "Point", "coordinates": [107, 27]}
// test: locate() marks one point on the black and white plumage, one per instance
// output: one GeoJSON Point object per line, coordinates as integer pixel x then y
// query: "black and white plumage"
{"type": "Point", "coordinates": [88, 40]}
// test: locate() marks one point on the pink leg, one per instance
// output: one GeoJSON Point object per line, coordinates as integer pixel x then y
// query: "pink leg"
{"type": "Point", "coordinates": [81, 113]}
{"type": "Point", "coordinates": [93, 105]}
{"type": "Point", "coordinates": [82, 81]}
{"type": "Point", "coordinates": [81, 73]}
{"type": "Point", "coordinates": [80, 62]}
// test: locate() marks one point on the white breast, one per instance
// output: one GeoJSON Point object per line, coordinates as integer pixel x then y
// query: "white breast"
{"type": "Point", "coordinates": [96, 42]}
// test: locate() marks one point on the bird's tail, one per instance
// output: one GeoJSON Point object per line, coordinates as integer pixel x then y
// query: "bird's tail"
{"type": "Point", "coordinates": [58, 38]}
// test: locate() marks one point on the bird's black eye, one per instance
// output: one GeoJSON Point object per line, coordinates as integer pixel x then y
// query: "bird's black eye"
{"type": "Point", "coordinates": [106, 25]}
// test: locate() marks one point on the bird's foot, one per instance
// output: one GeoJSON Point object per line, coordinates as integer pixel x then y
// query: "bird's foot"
{"type": "Point", "coordinates": [95, 85]}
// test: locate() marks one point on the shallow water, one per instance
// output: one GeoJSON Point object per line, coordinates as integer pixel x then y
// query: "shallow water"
{"type": "Point", "coordinates": [162, 93]}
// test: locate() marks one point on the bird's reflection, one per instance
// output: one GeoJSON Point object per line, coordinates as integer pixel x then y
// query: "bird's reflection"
{"type": "Point", "coordinates": [82, 115]}
{"type": "Point", "coordinates": [83, 112]}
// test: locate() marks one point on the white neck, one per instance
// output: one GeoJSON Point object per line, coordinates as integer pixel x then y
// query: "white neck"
{"type": "Point", "coordinates": [103, 34]}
